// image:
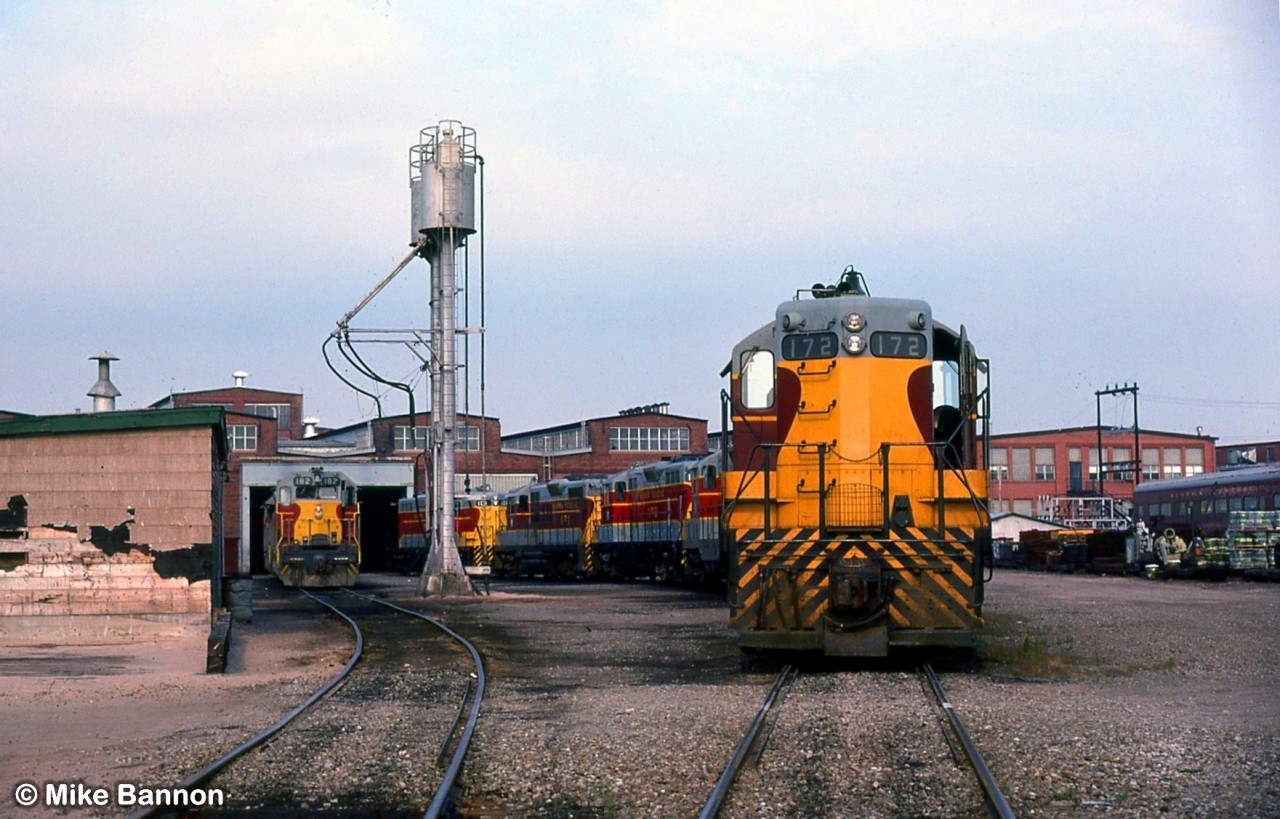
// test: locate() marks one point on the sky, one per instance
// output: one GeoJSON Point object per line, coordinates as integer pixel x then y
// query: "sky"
{"type": "Point", "coordinates": [1091, 188]}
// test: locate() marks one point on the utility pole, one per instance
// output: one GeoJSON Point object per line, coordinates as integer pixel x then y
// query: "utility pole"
{"type": "Point", "coordinates": [1134, 465]}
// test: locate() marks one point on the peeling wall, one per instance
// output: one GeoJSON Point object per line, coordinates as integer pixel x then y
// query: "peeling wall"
{"type": "Point", "coordinates": [131, 517]}
{"type": "Point", "coordinates": [61, 575]}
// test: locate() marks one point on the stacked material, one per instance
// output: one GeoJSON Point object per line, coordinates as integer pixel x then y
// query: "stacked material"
{"type": "Point", "coordinates": [1216, 553]}
{"type": "Point", "coordinates": [1107, 549]}
{"type": "Point", "coordinates": [1249, 550]}
{"type": "Point", "coordinates": [1256, 520]}
{"type": "Point", "coordinates": [1059, 548]}
{"type": "Point", "coordinates": [1252, 539]}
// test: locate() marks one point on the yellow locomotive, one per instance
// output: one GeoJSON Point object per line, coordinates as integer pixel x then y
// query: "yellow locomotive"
{"type": "Point", "coordinates": [855, 505]}
{"type": "Point", "coordinates": [478, 520]}
{"type": "Point", "coordinates": [311, 530]}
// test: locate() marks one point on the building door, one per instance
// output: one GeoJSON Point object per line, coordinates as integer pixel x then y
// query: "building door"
{"type": "Point", "coordinates": [1075, 477]}
{"type": "Point", "coordinates": [258, 497]}
{"type": "Point", "coordinates": [378, 526]}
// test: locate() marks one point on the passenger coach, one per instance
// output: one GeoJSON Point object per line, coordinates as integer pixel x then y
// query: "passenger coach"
{"type": "Point", "coordinates": [1201, 505]}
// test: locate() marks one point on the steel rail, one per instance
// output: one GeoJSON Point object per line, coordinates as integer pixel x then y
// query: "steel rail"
{"type": "Point", "coordinates": [996, 803]}
{"type": "Point", "coordinates": [223, 761]}
{"type": "Point", "coordinates": [464, 741]}
{"type": "Point", "coordinates": [721, 790]}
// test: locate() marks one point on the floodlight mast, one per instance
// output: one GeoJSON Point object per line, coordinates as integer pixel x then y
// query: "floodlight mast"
{"type": "Point", "coordinates": [442, 188]}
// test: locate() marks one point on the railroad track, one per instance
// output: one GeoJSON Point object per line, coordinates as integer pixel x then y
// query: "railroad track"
{"type": "Point", "coordinates": [377, 717]}
{"type": "Point", "coordinates": [749, 739]}
{"type": "Point", "coordinates": [961, 746]}
{"type": "Point", "coordinates": [992, 797]}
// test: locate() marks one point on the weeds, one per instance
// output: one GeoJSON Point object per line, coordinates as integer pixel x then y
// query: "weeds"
{"type": "Point", "coordinates": [1024, 654]}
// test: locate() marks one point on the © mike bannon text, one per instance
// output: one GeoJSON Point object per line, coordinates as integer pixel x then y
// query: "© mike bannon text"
{"type": "Point", "coordinates": [122, 795]}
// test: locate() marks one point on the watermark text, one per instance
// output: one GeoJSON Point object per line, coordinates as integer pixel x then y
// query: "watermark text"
{"type": "Point", "coordinates": [121, 795]}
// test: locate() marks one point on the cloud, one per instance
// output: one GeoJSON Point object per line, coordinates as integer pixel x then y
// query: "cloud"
{"type": "Point", "coordinates": [727, 42]}
{"type": "Point", "coordinates": [164, 129]}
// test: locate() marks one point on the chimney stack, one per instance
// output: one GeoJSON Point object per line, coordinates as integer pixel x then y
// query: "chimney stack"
{"type": "Point", "coordinates": [104, 392]}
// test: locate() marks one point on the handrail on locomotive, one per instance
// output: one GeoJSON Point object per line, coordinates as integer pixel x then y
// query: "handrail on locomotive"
{"type": "Point", "coordinates": [944, 465]}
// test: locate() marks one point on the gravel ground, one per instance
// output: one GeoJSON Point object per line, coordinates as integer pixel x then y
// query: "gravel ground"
{"type": "Point", "coordinates": [1168, 707]}
{"type": "Point", "coordinates": [865, 743]}
{"type": "Point", "coordinates": [371, 745]}
{"type": "Point", "coordinates": [1089, 696]}
{"type": "Point", "coordinates": [144, 711]}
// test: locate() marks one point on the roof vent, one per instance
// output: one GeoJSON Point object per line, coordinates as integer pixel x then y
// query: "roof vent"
{"type": "Point", "coordinates": [309, 426]}
{"type": "Point", "coordinates": [239, 376]}
{"type": "Point", "coordinates": [104, 392]}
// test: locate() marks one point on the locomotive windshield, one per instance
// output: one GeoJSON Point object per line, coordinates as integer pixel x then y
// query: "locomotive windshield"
{"type": "Point", "coordinates": [317, 493]}
{"type": "Point", "coordinates": [317, 487]}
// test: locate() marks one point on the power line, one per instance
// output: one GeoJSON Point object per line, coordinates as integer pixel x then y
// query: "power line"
{"type": "Point", "coordinates": [1210, 402]}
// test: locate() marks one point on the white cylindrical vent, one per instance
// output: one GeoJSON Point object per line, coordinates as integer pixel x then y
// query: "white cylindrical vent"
{"type": "Point", "coordinates": [103, 393]}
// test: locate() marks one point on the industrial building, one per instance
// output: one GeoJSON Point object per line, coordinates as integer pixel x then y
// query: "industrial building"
{"type": "Point", "coordinates": [1247, 454]}
{"type": "Point", "coordinates": [268, 438]}
{"type": "Point", "coordinates": [1044, 474]}
{"type": "Point", "coordinates": [181, 484]}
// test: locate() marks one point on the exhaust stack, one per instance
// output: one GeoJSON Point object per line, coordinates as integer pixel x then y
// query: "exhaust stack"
{"type": "Point", "coordinates": [104, 393]}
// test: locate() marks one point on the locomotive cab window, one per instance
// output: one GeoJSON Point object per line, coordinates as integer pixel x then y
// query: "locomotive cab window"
{"type": "Point", "coordinates": [949, 432]}
{"type": "Point", "coordinates": [946, 409]}
{"type": "Point", "coordinates": [756, 382]}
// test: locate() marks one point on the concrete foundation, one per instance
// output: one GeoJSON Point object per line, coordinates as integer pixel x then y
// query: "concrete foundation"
{"type": "Point", "coordinates": [445, 585]}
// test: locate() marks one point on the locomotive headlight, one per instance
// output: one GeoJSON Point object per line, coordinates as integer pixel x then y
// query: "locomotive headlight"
{"type": "Point", "coordinates": [854, 344]}
{"type": "Point", "coordinates": [853, 323]}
